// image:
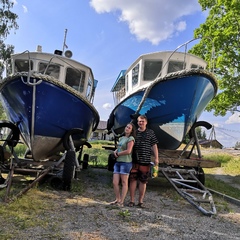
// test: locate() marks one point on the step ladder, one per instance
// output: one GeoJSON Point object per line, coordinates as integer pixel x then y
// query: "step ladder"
{"type": "Point", "coordinates": [190, 188]}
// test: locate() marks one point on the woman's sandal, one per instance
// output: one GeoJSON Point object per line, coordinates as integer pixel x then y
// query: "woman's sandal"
{"type": "Point", "coordinates": [114, 202]}
{"type": "Point", "coordinates": [131, 204]}
{"type": "Point", "coordinates": [120, 204]}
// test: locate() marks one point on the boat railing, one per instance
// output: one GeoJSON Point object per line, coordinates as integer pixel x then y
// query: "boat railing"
{"type": "Point", "coordinates": [89, 94]}
{"type": "Point", "coordinates": [185, 54]}
{"type": "Point", "coordinates": [30, 71]}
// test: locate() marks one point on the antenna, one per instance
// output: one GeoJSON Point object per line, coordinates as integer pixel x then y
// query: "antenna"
{"type": "Point", "coordinates": [64, 41]}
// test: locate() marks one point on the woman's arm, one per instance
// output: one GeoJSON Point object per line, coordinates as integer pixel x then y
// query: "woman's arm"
{"type": "Point", "coordinates": [125, 152]}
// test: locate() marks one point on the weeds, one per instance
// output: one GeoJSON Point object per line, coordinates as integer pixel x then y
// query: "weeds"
{"type": "Point", "coordinates": [124, 213]}
{"type": "Point", "coordinates": [229, 163]}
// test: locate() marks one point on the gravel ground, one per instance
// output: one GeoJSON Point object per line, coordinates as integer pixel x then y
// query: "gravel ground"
{"type": "Point", "coordinates": [89, 216]}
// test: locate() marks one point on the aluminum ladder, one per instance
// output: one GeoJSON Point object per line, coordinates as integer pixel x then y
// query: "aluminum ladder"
{"type": "Point", "coordinates": [190, 188]}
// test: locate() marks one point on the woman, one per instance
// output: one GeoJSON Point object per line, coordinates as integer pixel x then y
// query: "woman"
{"type": "Point", "coordinates": [123, 164]}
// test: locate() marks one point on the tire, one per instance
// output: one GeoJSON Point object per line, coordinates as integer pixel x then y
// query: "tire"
{"type": "Point", "coordinates": [85, 161]}
{"type": "Point", "coordinates": [68, 169]}
{"type": "Point", "coordinates": [56, 182]}
{"type": "Point", "coordinates": [1, 155]}
{"type": "Point", "coordinates": [13, 141]}
{"type": "Point", "coordinates": [2, 180]}
{"type": "Point", "coordinates": [200, 175]}
{"type": "Point", "coordinates": [73, 131]}
{"type": "Point", "coordinates": [110, 122]}
{"type": "Point", "coordinates": [28, 154]}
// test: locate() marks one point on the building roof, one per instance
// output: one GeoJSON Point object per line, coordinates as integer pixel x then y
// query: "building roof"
{"type": "Point", "coordinates": [205, 142]}
{"type": "Point", "coordinates": [102, 125]}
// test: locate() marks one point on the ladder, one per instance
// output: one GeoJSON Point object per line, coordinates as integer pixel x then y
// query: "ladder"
{"type": "Point", "coordinates": [190, 188]}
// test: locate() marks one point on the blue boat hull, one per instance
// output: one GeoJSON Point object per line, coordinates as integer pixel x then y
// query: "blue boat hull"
{"type": "Point", "coordinates": [45, 113]}
{"type": "Point", "coordinates": [172, 107]}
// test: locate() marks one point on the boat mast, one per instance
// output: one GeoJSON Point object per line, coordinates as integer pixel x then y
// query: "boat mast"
{"type": "Point", "coordinates": [64, 41]}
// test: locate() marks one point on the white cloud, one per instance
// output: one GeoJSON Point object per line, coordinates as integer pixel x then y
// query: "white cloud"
{"type": "Point", "coordinates": [150, 20]}
{"type": "Point", "coordinates": [218, 125]}
{"type": "Point", "coordinates": [181, 26]}
{"type": "Point", "coordinates": [25, 10]}
{"type": "Point", "coordinates": [235, 118]}
{"type": "Point", "coordinates": [107, 106]}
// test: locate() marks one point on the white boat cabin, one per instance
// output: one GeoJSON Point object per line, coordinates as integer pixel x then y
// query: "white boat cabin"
{"type": "Point", "coordinates": [150, 67]}
{"type": "Point", "coordinates": [63, 69]}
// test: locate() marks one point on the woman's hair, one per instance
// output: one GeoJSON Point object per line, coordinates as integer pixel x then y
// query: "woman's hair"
{"type": "Point", "coordinates": [133, 132]}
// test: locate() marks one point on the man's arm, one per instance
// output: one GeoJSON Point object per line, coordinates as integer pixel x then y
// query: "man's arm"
{"type": "Point", "coordinates": [155, 152]}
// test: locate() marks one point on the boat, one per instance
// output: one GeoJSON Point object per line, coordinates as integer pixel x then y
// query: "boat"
{"type": "Point", "coordinates": [48, 97]}
{"type": "Point", "coordinates": [171, 88]}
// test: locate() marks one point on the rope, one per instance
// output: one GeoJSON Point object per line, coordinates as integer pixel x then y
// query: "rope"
{"type": "Point", "coordinates": [178, 74]}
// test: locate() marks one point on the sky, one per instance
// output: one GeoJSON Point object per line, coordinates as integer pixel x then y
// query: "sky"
{"type": "Point", "coordinates": [108, 35]}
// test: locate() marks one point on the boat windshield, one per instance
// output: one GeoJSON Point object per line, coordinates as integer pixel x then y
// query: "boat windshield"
{"type": "Point", "coordinates": [49, 69]}
{"type": "Point", "coordinates": [76, 79]}
{"type": "Point", "coordinates": [175, 66]}
{"type": "Point", "coordinates": [151, 69]}
{"type": "Point", "coordinates": [21, 65]}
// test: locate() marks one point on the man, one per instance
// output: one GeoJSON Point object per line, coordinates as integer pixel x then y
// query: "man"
{"type": "Point", "coordinates": [145, 144]}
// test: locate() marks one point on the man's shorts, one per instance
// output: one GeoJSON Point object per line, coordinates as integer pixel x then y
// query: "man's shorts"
{"type": "Point", "coordinates": [140, 172]}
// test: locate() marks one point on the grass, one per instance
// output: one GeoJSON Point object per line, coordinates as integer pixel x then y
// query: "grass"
{"type": "Point", "coordinates": [24, 213]}
{"type": "Point", "coordinates": [20, 149]}
{"type": "Point", "coordinates": [221, 186]}
{"type": "Point", "coordinates": [98, 150]}
{"type": "Point", "coordinates": [230, 165]}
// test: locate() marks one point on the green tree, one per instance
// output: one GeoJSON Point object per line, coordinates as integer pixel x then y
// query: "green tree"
{"type": "Point", "coordinates": [7, 17]}
{"type": "Point", "coordinates": [237, 145]}
{"type": "Point", "coordinates": [8, 21]}
{"type": "Point", "coordinates": [5, 53]}
{"type": "Point", "coordinates": [200, 134]}
{"type": "Point", "coordinates": [222, 30]}
{"type": "Point", "coordinates": [2, 113]}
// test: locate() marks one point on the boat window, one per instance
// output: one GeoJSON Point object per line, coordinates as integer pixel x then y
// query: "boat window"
{"type": "Point", "coordinates": [135, 73]}
{"type": "Point", "coordinates": [151, 69]}
{"type": "Point", "coordinates": [196, 66]}
{"type": "Point", "coordinates": [75, 79]}
{"type": "Point", "coordinates": [52, 70]}
{"type": "Point", "coordinates": [175, 66]}
{"type": "Point", "coordinates": [126, 82]}
{"type": "Point", "coordinates": [23, 65]}
{"type": "Point", "coordinates": [89, 88]}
